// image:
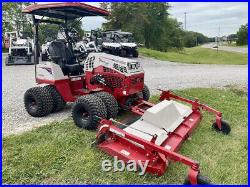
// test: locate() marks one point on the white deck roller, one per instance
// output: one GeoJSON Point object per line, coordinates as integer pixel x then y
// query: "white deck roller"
{"type": "Point", "coordinates": [159, 120]}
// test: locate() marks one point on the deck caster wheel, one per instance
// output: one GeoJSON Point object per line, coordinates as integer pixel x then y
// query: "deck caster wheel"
{"type": "Point", "coordinates": [101, 138]}
{"type": "Point", "coordinates": [225, 127]}
{"type": "Point", "coordinates": [200, 180]}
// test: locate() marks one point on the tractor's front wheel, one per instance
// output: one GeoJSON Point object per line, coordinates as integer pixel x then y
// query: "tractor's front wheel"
{"type": "Point", "coordinates": [145, 93]}
{"type": "Point", "coordinates": [58, 102]}
{"type": "Point", "coordinates": [38, 101]}
{"type": "Point", "coordinates": [87, 112]}
{"type": "Point", "coordinates": [110, 103]}
{"type": "Point", "coordinates": [202, 180]}
{"type": "Point", "coordinates": [225, 127]}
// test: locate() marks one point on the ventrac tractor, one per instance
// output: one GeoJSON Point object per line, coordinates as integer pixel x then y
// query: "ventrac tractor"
{"type": "Point", "coordinates": [101, 85]}
{"type": "Point", "coordinates": [20, 48]}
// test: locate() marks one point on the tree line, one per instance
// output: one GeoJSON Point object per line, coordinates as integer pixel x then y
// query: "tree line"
{"type": "Point", "coordinates": [150, 23]}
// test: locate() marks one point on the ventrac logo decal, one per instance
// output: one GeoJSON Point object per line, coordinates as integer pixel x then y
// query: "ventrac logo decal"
{"type": "Point", "coordinates": [47, 69]}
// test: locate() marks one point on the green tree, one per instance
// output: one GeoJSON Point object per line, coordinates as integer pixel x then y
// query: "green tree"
{"type": "Point", "coordinates": [242, 35]}
{"type": "Point", "coordinates": [149, 22]}
{"type": "Point", "coordinates": [13, 18]}
{"type": "Point", "coordinates": [192, 39]}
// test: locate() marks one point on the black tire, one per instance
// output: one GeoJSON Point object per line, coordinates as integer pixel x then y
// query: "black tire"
{"type": "Point", "coordinates": [7, 61]}
{"type": "Point", "coordinates": [58, 102]}
{"type": "Point", "coordinates": [225, 127]}
{"type": "Point", "coordinates": [87, 112]}
{"type": "Point", "coordinates": [135, 54]}
{"type": "Point", "coordinates": [202, 180]}
{"type": "Point", "coordinates": [145, 93]}
{"type": "Point", "coordinates": [38, 101]}
{"type": "Point", "coordinates": [123, 53]}
{"type": "Point", "coordinates": [110, 103]}
{"type": "Point", "coordinates": [106, 51]}
{"type": "Point", "coordinates": [44, 57]}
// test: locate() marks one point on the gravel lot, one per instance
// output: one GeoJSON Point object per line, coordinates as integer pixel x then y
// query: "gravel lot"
{"type": "Point", "coordinates": [165, 75]}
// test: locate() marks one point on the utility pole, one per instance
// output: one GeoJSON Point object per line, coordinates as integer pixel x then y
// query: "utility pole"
{"type": "Point", "coordinates": [185, 13]}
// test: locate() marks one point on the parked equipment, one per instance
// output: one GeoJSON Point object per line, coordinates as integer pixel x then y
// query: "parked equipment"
{"type": "Point", "coordinates": [115, 42]}
{"type": "Point", "coordinates": [20, 48]}
{"type": "Point", "coordinates": [121, 43]}
{"type": "Point", "coordinates": [45, 49]}
{"type": "Point", "coordinates": [100, 84]}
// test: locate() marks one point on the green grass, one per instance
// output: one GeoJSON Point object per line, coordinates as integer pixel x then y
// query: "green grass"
{"type": "Point", "coordinates": [61, 153]}
{"type": "Point", "coordinates": [4, 50]}
{"type": "Point", "coordinates": [197, 55]}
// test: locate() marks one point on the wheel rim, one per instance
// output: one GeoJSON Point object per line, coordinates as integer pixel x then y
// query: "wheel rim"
{"type": "Point", "coordinates": [84, 116]}
{"type": "Point", "coordinates": [32, 104]}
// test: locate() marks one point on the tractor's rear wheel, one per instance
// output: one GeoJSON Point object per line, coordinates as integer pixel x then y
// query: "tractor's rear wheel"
{"type": "Point", "coordinates": [110, 103]}
{"type": "Point", "coordinates": [87, 112]}
{"type": "Point", "coordinates": [58, 102]}
{"type": "Point", "coordinates": [200, 180]}
{"type": "Point", "coordinates": [225, 127]}
{"type": "Point", "coordinates": [38, 101]}
{"type": "Point", "coordinates": [145, 93]}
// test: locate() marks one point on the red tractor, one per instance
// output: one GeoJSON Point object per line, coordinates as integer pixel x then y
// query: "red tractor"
{"type": "Point", "coordinates": [103, 83]}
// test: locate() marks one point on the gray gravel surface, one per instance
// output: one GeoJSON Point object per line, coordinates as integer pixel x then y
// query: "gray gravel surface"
{"type": "Point", "coordinates": [165, 75]}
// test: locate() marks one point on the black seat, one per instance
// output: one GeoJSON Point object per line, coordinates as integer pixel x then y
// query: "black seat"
{"type": "Point", "coordinates": [65, 58]}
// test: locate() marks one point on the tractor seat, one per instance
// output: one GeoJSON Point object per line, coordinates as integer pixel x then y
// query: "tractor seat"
{"type": "Point", "coordinates": [65, 58]}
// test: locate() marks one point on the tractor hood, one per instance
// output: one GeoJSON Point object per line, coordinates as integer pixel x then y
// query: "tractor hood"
{"type": "Point", "coordinates": [124, 66]}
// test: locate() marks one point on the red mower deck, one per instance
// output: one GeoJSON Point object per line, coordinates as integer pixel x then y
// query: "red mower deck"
{"type": "Point", "coordinates": [117, 142]}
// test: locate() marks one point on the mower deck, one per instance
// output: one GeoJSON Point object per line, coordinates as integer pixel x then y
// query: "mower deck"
{"type": "Point", "coordinates": [125, 149]}
{"type": "Point", "coordinates": [157, 135]}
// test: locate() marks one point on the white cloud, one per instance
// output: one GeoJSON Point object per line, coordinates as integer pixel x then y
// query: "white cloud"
{"type": "Point", "coordinates": [207, 17]}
